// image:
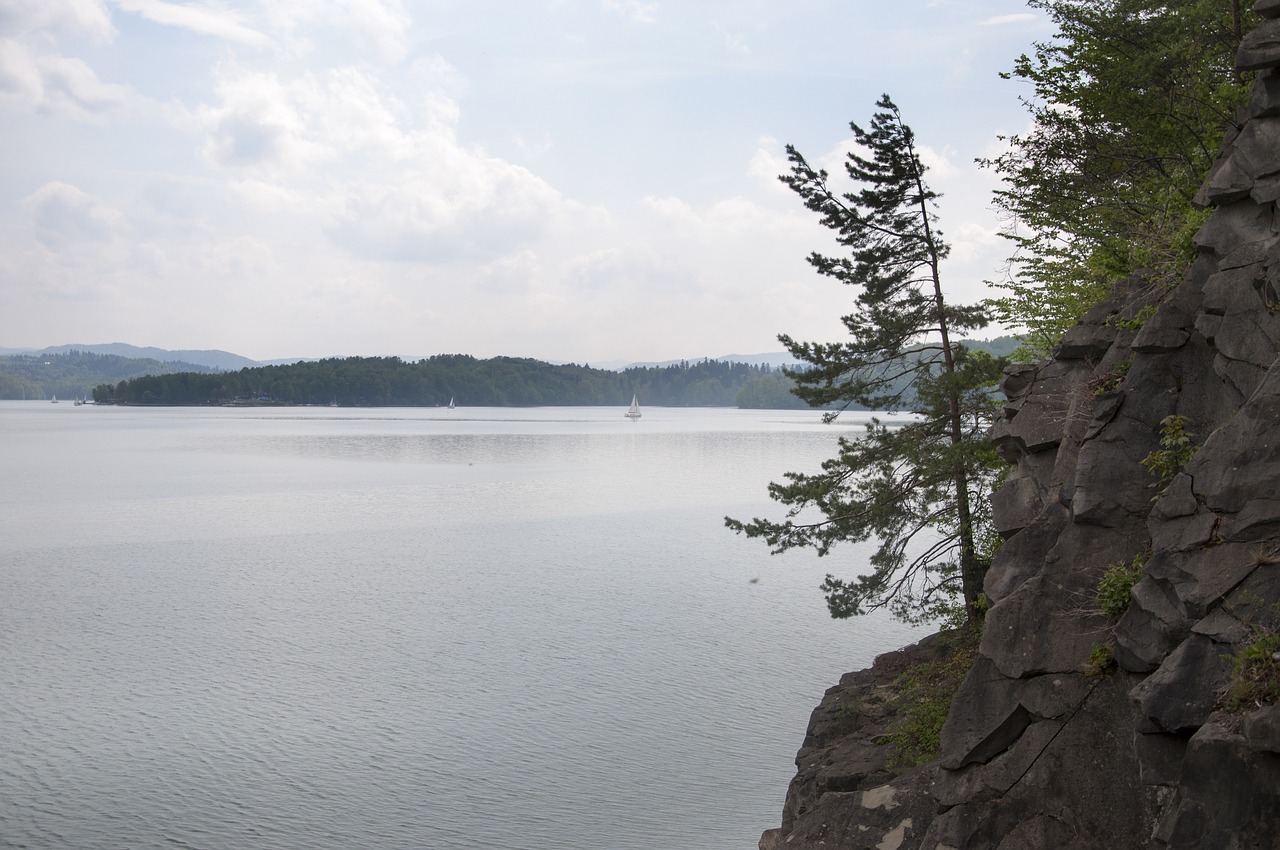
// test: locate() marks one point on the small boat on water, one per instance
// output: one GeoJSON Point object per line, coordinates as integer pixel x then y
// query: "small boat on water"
{"type": "Point", "coordinates": [633, 412]}
{"type": "Point", "coordinates": [451, 404]}
{"type": "Point", "coordinates": [54, 399]}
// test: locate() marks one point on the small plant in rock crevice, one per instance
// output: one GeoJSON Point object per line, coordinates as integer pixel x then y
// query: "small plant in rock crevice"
{"type": "Point", "coordinates": [1255, 665]}
{"type": "Point", "coordinates": [1255, 675]}
{"type": "Point", "coordinates": [1116, 585]}
{"type": "Point", "coordinates": [1102, 661]}
{"type": "Point", "coordinates": [1267, 557]}
{"type": "Point", "coordinates": [1136, 322]}
{"type": "Point", "coordinates": [1175, 452]}
{"type": "Point", "coordinates": [1113, 379]}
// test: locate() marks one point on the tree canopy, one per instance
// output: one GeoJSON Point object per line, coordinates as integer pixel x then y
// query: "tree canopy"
{"type": "Point", "coordinates": [1129, 104]}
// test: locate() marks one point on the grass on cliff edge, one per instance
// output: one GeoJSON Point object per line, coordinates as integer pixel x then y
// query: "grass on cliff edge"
{"type": "Point", "coordinates": [924, 694]}
{"type": "Point", "coordinates": [1255, 680]}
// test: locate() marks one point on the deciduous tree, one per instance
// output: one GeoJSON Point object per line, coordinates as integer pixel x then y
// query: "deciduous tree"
{"type": "Point", "coordinates": [1129, 104]}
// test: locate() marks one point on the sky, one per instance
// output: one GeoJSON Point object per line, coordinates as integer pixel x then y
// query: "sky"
{"type": "Point", "coordinates": [582, 181]}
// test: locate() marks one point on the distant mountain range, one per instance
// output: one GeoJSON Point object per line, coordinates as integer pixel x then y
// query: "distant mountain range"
{"type": "Point", "coordinates": [73, 371]}
{"type": "Point", "coordinates": [226, 361]}
{"type": "Point", "coordinates": [223, 361]}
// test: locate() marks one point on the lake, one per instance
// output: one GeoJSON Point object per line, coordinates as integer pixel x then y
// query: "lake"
{"type": "Point", "coordinates": [406, 628]}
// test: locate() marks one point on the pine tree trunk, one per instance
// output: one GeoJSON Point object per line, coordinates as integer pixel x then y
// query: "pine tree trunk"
{"type": "Point", "coordinates": [970, 570]}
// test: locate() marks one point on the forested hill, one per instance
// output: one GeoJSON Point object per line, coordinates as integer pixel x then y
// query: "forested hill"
{"type": "Point", "coordinates": [496, 382]}
{"type": "Point", "coordinates": [74, 373]}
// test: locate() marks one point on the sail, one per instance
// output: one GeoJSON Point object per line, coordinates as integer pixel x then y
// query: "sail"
{"type": "Point", "coordinates": [633, 412]}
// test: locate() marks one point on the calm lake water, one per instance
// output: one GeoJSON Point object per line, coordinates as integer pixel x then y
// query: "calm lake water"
{"type": "Point", "coordinates": [335, 628]}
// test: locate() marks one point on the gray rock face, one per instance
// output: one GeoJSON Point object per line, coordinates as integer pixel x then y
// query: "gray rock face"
{"type": "Point", "coordinates": [1228, 795]}
{"type": "Point", "coordinates": [1267, 8]}
{"type": "Point", "coordinates": [1179, 697]}
{"type": "Point", "coordinates": [1039, 751]}
{"type": "Point", "coordinates": [844, 793]}
{"type": "Point", "coordinates": [1260, 49]}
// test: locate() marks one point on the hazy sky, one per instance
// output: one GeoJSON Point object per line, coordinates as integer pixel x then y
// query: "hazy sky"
{"type": "Point", "coordinates": [571, 180]}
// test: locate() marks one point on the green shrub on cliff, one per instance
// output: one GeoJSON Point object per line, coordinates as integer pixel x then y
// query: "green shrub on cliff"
{"type": "Point", "coordinates": [1102, 661]}
{"type": "Point", "coordinates": [1116, 585]}
{"type": "Point", "coordinates": [924, 695]}
{"type": "Point", "coordinates": [1175, 452]}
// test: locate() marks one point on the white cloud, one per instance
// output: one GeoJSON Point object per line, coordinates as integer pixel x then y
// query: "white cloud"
{"type": "Point", "coordinates": [727, 219]}
{"type": "Point", "coordinates": [384, 181]}
{"type": "Point", "coordinates": [937, 161]}
{"type": "Point", "coordinates": [971, 241]}
{"type": "Point", "coordinates": [636, 10]}
{"type": "Point", "coordinates": [206, 20]}
{"type": "Point", "coordinates": [380, 27]}
{"type": "Point", "coordinates": [264, 123]}
{"type": "Point", "coordinates": [371, 189]}
{"type": "Point", "coordinates": [258, 125]}
{"type": "Point", "coordinates": [767, 164]}
{"type": "Point", "coordinates": [833, 161]}
{"type": "Point", "coordinates": [702, 245]}
{"type": "Point", "coordinates": [71, 87]}
{"type": "Point", "coordinates": [351, 113]}
{"type": "Point", "coordinates": [511, 274]}
{"type": "Point", "coordinates": [269, 124]}
{"type": "Point", "coordinates": [437, 76]}
{"type": "Point", "coordinates": [20, 77]}
{"type": "Point", "coordinates": [452, 205]}
{"type": "Point", "coordinates": [1016, 18]}
{"type": "Point", "coordinates": [734, 42]}
{"type": "Point", "coordinates": [671, 209]}
{"type": "Point", "coordinates": [64, 216]}
{"type": "Point", "coordinates": [21, 17]}
{"type": "Point", "coordinates": [56, 84]}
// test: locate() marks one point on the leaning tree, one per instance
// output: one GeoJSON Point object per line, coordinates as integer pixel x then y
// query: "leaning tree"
{"type": "Point", "coordinates": [917, 488]}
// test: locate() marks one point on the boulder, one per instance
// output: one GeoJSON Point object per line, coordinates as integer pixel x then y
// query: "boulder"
{"type": "Point", "coordinates": [1154, 624]}
{"type": "Point", "coordinates": [1179, 696]}
{"type": "Point", "coordinates": [1262, 729]}
{"type": "Point", "coordinates": [1042, 627]}
{"type": "Point", "coordinates": [1260, 48]}
{"type": "Point", "coordinates": [1016, 505]}
{"type": "Point", "coordinates": [1267, 8]}
{"type": "Point", "coordinates": [991, 711]}
{"type": "Point", "coordinates": [1086, 341]}
{"type": "Point", "coordinates": [1073, 782]}
{"type": "Point", "coordinates": [1210, 812]}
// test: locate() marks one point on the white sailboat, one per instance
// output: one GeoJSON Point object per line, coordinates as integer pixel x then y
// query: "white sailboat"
{"type": "Point", "coordinates": [633, 412]}
{"type": "Point", "coordinates": [451, 404]}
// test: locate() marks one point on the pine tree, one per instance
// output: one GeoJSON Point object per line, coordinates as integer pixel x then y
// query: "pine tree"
{"type": "Point", "coordinates": [917, 488]}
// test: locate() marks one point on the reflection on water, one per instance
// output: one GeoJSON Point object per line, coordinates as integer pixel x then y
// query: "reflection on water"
{"type": "Point", "coordinates": [332, 629]}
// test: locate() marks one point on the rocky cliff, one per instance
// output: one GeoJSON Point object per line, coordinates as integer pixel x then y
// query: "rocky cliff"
{"type": "Point", "coordinates": [1076, 728]}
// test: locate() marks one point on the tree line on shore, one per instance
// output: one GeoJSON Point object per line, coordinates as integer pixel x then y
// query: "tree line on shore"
{"type": "Point", "coordinates": [469, 381]}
